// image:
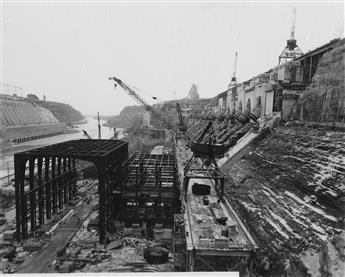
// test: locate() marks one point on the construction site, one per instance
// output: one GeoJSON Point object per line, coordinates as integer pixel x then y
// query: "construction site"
{"type": "Point", "coordinates": [249, 181]}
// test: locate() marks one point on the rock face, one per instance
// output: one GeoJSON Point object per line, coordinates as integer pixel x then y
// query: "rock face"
{"type": "Point", "coordinates": [329, 261]}
{"type": "Point", "coordinates": [324, 99]}
{"type": "Point", "coordinates": [290, 191]}
{"type": "Point", "coordinates": [63, 112]}
{"type": "Point", "coordinates": [129, 117]}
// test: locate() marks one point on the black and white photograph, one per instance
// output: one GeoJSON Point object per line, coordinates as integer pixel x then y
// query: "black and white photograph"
{"type": "Point", "coordinates": [172, 138]}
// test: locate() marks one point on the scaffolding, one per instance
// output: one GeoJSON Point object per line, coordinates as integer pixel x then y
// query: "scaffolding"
{"type": "Point", "coordinates": [149, 190]}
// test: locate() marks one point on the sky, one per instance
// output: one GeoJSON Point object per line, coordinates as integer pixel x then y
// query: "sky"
{"type": "Point", "coordinates": [67, 50]}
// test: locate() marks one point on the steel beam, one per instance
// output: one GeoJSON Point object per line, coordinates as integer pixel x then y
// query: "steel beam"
{"type": "Point", "coordinates": [65, 181]}
{"type": "Point", "coordinates": [19, 165]}
{"type": "Point", "coordinates": [59, 184]}
{"type": "Point", "coordinates": [40, 192]}
{"type": "Point", "coordinates": [54, 183]}
{"type": "Point", "coordinates": [32, 194]}
{"type": "Point", "coordinates": [54, 186]}
{"type": "Point", "coordinates": [48, 187]}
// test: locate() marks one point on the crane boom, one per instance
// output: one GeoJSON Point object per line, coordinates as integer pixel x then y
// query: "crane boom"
{"type": "Point", "coordinates": [142, 103]}
{"type": "Point", "coordinates": [235, 67]}
{"type": "Point", "coordinates": [182, 126]}
{"type": "Point", "coordinates": [233, 81]}
{"type": "Point", "coordinates": [86, 134]}
{"type": "Point", "coordinates": [209, 125]}
{"type": "Point", "coordinates": [293, 21]}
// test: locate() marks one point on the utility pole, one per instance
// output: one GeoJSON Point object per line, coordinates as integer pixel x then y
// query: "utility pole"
{"type": "Point", "coordinates": [99, 127]}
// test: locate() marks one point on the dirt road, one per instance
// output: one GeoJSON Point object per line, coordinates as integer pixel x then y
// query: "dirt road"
{"type": "Point", "coordinates": [40, 263]}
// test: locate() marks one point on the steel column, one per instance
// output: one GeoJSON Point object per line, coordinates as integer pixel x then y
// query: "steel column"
{"type": "Point", "coordinates": [40, 192]}
{"type": "Point", "coordinates": [32, 194]}
{"type": "Point", "coordinates": [54, 185]}
{"type": "Point", "coordinates": [59, 184]}
{"type": "Point", "coordinates": [47, 180]}
{"type": "Point", "coordinates": [19, 165]}
{"type": "Point", "coordinates": [71, 175]}
{"type": "Point", "coordinates": [75, 181]}
{"type": "Point", "coordinates": [101, 184]}
{"type": "Point", "coordinates": [65, 181]}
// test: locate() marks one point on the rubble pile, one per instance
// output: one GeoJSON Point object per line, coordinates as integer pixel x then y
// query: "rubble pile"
{"type": "Point", "coordinates": [290, 191]}
{"type": "Point", "coordinates": [124, 254]}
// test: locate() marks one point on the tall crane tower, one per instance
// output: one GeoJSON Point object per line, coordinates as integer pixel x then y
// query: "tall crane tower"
{"type": "Point", "coordinates": [291, 50]}
{"type": "Point", "coordinates": [233, 81]}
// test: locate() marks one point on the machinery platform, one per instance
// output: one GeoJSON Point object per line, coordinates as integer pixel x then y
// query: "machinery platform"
{"type": "Point", "coordinates": [212, 226]}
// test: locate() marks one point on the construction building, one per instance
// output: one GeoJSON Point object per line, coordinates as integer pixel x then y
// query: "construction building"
{"type": "Point", "coordinates": [148, 191]}
{"type": "Point", "coordinates": [45, 180]}
{"type": "Point", "coordinates": [277, 90]}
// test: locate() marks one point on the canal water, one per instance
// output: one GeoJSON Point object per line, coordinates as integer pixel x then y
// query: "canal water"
{"type": "Point", "coordinates": [91, 127]}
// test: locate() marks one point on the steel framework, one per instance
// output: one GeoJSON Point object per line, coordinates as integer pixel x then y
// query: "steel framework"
{"type": "Point", "coordinates": [51, 180]}
{"type": "Point", "coordinates": [150, 188]}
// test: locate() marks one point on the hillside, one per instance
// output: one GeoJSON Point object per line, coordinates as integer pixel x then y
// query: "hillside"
{"type": "Point", "coordinates": [324, 99]}
{"type": "Point", "coordinates": [129, 117]}
{"type": "Point", "coordinates": [132, 116]}
{"type": "Point", "coordinates": [63, 112]}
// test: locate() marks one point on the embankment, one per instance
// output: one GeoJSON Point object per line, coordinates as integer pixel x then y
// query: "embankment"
{"type": "Point", "coordinates": [24, 119]}
{"type": "Point", "coordinates": [63, 112]}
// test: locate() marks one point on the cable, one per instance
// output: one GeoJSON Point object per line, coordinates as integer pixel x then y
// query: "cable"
{"type": "Point", "coordinates": [151, 96]}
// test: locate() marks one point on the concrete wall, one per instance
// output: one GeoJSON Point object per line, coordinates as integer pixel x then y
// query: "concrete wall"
{"type": "Point", "coordinates": [22, 121]}
{"type": "Point", "coordinates": [290, 98]}
{"type": "Point", "coordinates": [21, 113]}
{"type": "Point", "coordinates": [258, 94]}
{"type": "Point", "coordinates": [220, 104]}
{"type": "Point", "coordinates": [146, 119]}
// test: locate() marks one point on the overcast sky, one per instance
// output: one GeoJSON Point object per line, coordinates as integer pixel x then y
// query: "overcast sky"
{"type": "Point", "coordinates": [67, 51]}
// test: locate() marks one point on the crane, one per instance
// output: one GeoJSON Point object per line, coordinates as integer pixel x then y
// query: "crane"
{"type": "Point", "coordinates": [86, 134]}
{"type": "Point", "coordinates": [293, 22]}
{"type": "Point", "coordinates": [182, 128]}
{"type": "Point", "coordinates": [182, 125]}
{"type": "Point", "coordinates": [204, 161]}
{"type": "Point", "coordinates": [142, 103]}
{"type": "Point", "coordinates": [193, 93]}
{"type": "Point", "coordinates": [204, 154]}
{"type": "Point", "coordinates": [291, 50]}
{"type": "Point", "coordinates": [233, 81]}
